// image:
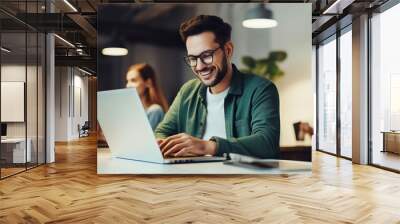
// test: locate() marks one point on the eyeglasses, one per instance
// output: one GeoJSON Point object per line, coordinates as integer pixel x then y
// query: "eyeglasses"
{"type": "Point", "coordinates": [206, 58]}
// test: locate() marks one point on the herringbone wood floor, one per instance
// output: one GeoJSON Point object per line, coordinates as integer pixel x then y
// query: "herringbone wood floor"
{"type": "Point", "coordinates": [70, 191]}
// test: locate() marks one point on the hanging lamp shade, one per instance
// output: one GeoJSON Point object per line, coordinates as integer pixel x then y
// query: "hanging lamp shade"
{"type": "Point", "coordinates": [115, 48]}
{"type": "Point", "coordinates": [259, 18]}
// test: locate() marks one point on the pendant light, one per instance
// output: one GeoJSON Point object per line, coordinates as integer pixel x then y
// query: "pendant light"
{"type": "Point", "coordinates": [259, 17]}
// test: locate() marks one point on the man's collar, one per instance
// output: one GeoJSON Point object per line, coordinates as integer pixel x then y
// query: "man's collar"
{"type": "Point", "coordinates": [236, 82]}
{"type": "Point", "coordinates": [236, 85]}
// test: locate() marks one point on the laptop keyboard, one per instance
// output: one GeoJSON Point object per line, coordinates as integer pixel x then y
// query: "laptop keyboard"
{"type": "Point", "coordinates": [182, 161]}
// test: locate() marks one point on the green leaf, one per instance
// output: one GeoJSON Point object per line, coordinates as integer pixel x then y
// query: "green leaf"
{"type": "Point", "coordinates": [273, 69]}
{"type": "Point", "coordinates": [263, 60]}
{"type": "Point", "coordinates": [261, 69]}
{"type": "Point", "coordinates": [249, 61]}
{"type": "Point", "coordinates": [265, 67]}
{"type": "Point", "coordinates": [277, 55]}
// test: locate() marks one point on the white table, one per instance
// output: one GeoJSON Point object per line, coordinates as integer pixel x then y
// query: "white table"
{"type": "Point", "coordinates": [106, 164]}
{"type": "Point", "coordinates": [19, 155]}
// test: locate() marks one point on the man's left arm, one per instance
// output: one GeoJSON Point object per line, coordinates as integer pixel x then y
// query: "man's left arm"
{"type": "Point", "coordinates": [263, 142]}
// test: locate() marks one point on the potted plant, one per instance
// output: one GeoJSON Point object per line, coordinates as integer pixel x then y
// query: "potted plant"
{"type": "Point", "coordinates": [265, 67]}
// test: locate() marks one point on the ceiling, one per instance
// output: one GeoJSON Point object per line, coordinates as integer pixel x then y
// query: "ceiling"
{"type": "Point", "coordinates": [80, 27]}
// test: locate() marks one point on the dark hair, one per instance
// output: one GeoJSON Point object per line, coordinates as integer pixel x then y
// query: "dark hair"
{"type": "Point", "coordinates": [203, 23]}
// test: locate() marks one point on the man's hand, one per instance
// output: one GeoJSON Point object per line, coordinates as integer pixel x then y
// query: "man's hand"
{"type": "Point", "coordinates": [186, 145]}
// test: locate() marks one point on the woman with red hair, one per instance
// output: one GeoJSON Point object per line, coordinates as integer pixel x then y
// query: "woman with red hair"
{"type": "Point", "coordinates": [143, 78]}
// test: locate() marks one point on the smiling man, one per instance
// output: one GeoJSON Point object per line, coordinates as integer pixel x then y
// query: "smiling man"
{"type": "Point", "coordinates": [222, 110]}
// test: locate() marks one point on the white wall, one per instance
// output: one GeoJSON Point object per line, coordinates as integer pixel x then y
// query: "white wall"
{"type": "Point", "coordinates": [293, 35]}
{"type": "Point", "coordinates": [79, 117]}
{"type": "Point", "coordinates": [12, 73]}
{"type": "Point", "coordinates": [34, 124]}
{"type": "Point", "coordinates": [69, 82]}
{"type": "Point", "coordinates": [61, 103]}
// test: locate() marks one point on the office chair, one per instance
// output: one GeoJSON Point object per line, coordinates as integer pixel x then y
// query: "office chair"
{"type": "Point", "coordinates": [84, 130]}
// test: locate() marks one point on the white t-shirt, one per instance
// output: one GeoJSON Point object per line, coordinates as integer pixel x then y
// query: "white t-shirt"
{"type": "Point", "coordinates": [215, 124]}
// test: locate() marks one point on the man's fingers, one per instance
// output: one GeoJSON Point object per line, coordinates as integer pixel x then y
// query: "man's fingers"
{"type": "Point", "coordinates": [184, 152]}
{"type": "Point", "coordinates": [181, 153]}
{"type": "Point", "coordinates": [172, 142]}
{"type": "Point", "coordinates": [168, 139]}
{"type": "Point", "coordinates": [165, 142]}
{"type": "Point", "coordinates": [159, 141]}
{"type": "Point", "coordinates": [174, 149]}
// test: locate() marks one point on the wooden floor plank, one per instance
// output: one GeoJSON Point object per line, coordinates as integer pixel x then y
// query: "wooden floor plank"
{"type": "Point", "coordinates": [70, 191]}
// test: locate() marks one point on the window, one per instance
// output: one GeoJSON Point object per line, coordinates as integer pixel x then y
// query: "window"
{"type": "Point", "coordinates": [385, 88]}
{"type": "Point", "coordinates": [346, 93]}
{"type": "Point", "coordinates": [22, 77]}
{"type": "Point", "coordinates": [327, 96]}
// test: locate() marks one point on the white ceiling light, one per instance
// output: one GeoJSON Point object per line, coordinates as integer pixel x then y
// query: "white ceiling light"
{"type": "Point", "coordinates": [115, 47]}
{"type": "Point", "coordinates": [337, 7]}
{"type": "Point", "coordinates": [65, 41]}
{"type": "Point", "coordinates": [70, 5]}
{"type": "Point", "coordinates": [259, 18]}
{"type": "Point", "coordinates": [114, 51]}
{"type": "Point", "coordinates": [84, 71]}
{"type": "Point", "coordinates": [259, 23]}
{"type": "Point", "coordinates": [5, 50]}
{"type": "Point", "coordinates": [79, 51]}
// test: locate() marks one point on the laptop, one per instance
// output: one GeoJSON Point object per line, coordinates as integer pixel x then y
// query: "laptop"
{"type": "Point", "coordinates": [127, 130]}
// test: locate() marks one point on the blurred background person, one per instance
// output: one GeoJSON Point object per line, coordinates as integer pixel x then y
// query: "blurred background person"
{"type": "Point", "coordinates": [143, 78]}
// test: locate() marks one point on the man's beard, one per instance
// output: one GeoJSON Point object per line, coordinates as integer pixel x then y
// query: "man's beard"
{"type": "Point", "coordinates": [220, 74]}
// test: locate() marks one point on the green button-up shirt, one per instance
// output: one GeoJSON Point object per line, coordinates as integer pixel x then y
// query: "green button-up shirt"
{"type": "Point", "coordinates": [251, 116]}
